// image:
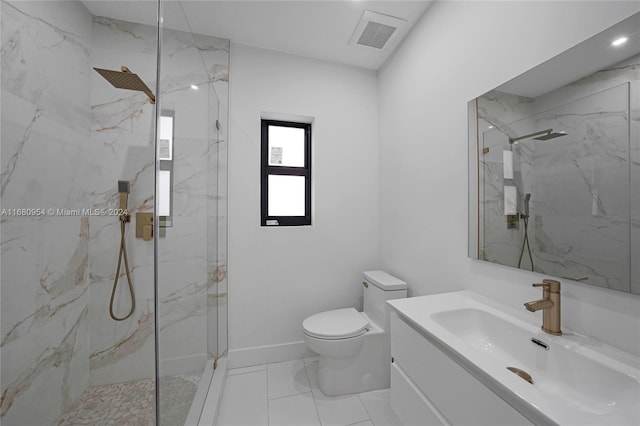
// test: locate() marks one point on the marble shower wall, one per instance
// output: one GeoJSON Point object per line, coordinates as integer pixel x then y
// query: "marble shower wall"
{"type": "Point", "coordinates": [580, 225]}
{"type": "Point", "coordinates": [45, 258]}
{"type": "Point", "coordinates": [67, 137]}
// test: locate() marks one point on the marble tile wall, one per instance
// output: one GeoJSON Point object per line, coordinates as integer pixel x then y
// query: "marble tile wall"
{"type": "Point", "coordinates": [581, 187]}
{"type": "Point", "coordinates": [45, 258]}
{"type": "Point", "coordinates": [68, 136]}
{"type": "Point", "coordinates": [591, 164]}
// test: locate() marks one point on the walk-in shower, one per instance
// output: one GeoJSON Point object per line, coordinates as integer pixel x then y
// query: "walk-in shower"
{"type": "Point", "coordinates": [70, 259]}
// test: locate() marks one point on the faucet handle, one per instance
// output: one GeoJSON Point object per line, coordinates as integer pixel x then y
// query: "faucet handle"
{"type": "Point", "coordinates": [551, 286]}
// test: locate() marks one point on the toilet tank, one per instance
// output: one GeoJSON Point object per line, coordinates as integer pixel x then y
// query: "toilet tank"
{"type": "Point", "coordinates": [378, 288]}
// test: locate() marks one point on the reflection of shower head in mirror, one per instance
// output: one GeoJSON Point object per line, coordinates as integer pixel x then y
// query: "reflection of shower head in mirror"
{"type": "Point", "coordinates": [542, 135]}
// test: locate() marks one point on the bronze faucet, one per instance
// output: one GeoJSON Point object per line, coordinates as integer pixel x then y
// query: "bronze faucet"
{"type": "Point", "coordinates": [550, 305]}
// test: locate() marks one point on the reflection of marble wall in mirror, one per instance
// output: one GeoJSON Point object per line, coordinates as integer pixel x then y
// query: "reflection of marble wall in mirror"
{"type": "Point", "coordinates": [580, 225]}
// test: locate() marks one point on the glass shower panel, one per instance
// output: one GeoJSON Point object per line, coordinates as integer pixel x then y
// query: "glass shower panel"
{"type": "Point", "coordinates": [496, 241]}
{"type": "Point", "coordinates": [193, 72]}
{"type": "Point", "coordinates": [217, 301]}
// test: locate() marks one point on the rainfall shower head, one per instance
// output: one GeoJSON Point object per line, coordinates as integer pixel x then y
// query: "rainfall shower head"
{"type": "Point", "coordinates": [543, 135]}
{"type": "Point", "coordinates": [125, 79]}
{"type": "Point", "coordinates": [552, 135]}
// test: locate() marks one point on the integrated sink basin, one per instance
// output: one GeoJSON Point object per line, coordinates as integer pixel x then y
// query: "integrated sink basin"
{"type": "Point", "coordinates": [575, 380]}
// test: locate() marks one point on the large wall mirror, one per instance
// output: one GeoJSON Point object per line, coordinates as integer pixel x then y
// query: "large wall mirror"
{"type": "Point", "coordinates": [554, 160]}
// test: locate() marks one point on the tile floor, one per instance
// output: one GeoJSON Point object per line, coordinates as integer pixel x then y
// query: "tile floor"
{"type": "Point", "coordinates": [287, 393]}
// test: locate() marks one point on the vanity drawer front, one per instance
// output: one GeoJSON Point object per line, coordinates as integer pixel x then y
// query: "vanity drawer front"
{"type": "Point", "coordinates": [409, 403]}
{"type": "Point", "coordinates": [459, 396]}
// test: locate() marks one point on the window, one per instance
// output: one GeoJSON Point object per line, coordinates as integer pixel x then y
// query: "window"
{"type": "Point", "coordinates": [286, 173]}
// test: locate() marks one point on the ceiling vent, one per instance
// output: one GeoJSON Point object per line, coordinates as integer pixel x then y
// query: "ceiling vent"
{"type": "Point", "coordinates": [375, 29]}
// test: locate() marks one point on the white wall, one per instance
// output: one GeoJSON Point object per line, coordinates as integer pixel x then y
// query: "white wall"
{"type": "Point", "coordinates": [279, 276]}
{"type": "Point", "coordinates": [456, 52]}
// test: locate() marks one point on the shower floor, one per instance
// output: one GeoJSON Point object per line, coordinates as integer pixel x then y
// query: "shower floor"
{"type": "Point", "coordinates": [133, 403]}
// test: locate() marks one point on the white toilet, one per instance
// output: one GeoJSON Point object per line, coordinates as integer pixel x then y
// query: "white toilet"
{"type": "Point", "coordinates": [354, 347]}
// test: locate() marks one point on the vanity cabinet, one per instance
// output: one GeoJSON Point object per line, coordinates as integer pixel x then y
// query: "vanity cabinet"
{"type": "Point", "coordinates": [429, 388]}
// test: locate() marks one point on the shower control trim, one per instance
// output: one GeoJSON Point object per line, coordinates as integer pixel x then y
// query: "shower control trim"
{"type": "Point", "coordinates": [144, 225]}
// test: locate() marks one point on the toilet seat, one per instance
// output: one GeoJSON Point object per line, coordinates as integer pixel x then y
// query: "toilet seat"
{"type": "Point", "coordinates": [336, 324]}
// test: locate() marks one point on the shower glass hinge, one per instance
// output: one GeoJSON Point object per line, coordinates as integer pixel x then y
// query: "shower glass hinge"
{"type": "Point", "coordinates": [218, 124]}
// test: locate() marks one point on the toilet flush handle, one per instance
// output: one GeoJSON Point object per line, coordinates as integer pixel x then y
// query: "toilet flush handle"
{"type": "Point", "coordinates": [365, 284]}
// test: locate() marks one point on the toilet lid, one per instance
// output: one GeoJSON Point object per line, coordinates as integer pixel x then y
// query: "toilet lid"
{"type": "Point", "coordinates": [336, 324]}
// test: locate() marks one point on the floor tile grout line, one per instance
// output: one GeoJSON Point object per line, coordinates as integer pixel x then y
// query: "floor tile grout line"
{"type": "Point", "coordinates": [361, 421]}
{"type": "Point", "coordinates": [246, 372]}
{"type": "Point", "coordinates": [289, 396]}
{"type": "Point", "coordinates": [315, 405]}
{"type": "Point", "coordinates": [365, 407]}
{"type": "Point", "coordinates": [266, 373]}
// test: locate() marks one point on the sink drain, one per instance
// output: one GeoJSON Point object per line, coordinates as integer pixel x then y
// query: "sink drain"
{"type": "Point", "coordinates": [521, 373]}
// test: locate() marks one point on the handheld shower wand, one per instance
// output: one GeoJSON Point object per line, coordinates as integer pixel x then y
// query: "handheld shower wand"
{"type": "Point", "coordinates": [525, 239]}
{"type": "Point", "coordinates": [123, 189]}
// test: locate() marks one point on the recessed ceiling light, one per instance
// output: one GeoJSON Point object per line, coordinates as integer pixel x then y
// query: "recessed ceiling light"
{"type": "Point", "coordinates": [619, 41]}
{"type": "Point", "coordinates": [194, 87]}
{"type": "Point", "coordinates": [491, 127]}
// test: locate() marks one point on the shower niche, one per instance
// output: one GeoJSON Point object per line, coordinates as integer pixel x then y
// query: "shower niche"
{"type": "Point", "coordinates": [554, 160]}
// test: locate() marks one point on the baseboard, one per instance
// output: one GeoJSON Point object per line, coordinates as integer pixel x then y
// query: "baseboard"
{"type": "Point", "coordinates": [257, 355]}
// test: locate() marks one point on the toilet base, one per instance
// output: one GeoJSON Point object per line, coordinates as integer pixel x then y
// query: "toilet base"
{"type": "Point", "coordinates": [368, 370]}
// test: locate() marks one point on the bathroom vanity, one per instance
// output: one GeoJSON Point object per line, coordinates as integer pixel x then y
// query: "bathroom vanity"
{"type": "Point", "coordinates": [451, 355]}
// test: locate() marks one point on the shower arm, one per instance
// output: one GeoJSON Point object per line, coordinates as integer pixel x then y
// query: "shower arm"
{"type": "Point", "coordinates": [530, 135]}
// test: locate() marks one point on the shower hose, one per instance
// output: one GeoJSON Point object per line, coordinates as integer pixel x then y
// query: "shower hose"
{"type": "Point", "coordinates": [525, 239]}
{"type": "Point", "coordinates": [122, 254]}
